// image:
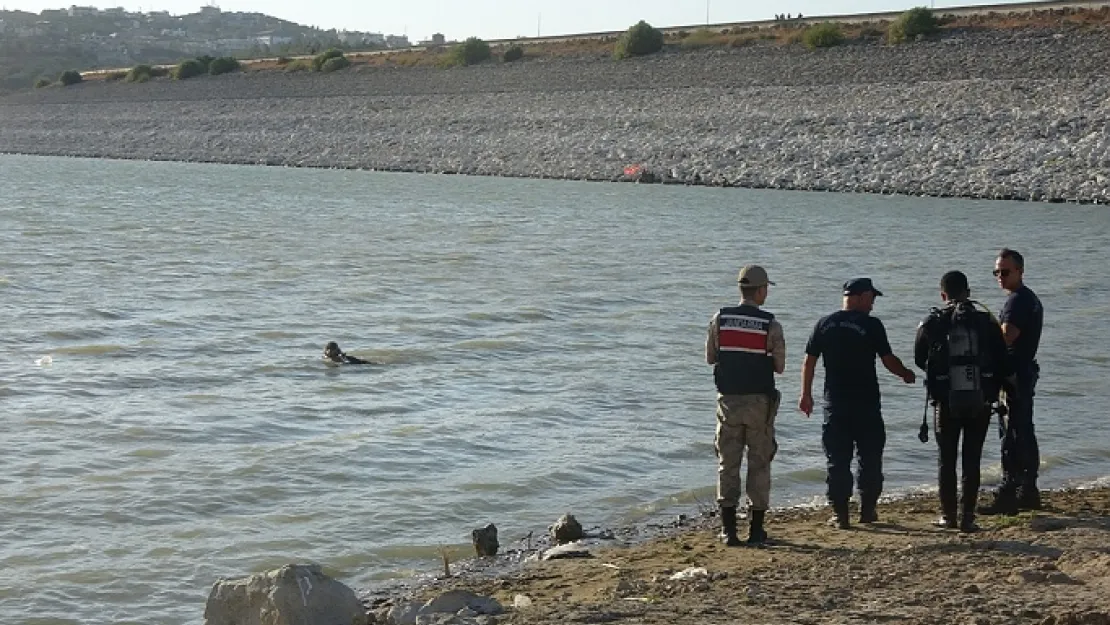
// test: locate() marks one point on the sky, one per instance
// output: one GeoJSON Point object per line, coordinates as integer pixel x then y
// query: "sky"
{"type": "Point", "coordinates": [502, 19]}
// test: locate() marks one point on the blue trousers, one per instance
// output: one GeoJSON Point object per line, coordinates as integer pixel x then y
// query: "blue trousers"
{"type": "Point", "coordinates": [1021, 455]}
{"type": "Point", "coordinates": [848, 433]}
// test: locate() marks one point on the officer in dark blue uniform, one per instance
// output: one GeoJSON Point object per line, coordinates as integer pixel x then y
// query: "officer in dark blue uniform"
{"type": "Point", "coordinates": [848, 341]}
{"type": "Point", "coordinates": [1022, 318]}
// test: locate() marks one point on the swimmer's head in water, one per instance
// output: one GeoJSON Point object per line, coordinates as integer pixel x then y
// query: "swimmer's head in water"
{"type": "Point", "coordinates": [332, 351]}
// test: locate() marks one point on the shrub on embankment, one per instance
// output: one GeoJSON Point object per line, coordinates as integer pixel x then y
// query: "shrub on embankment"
{"type": "Point", "coordinates": [300, 65]}
{"type": "Point", "coordinates": [69, 77]}
{"type": "Point", "coordinates": [320, 59]}
{"type": "Point", "coordinates": [335, 64]}
{"type": "Point", "coordinates": [824, 35]}
{"type": "Point", "coordinates": [189, 69]}
{"type": "Point", "coordinates": [472, 52]}
{"type": "Point", "coordinates": [223, 65]}
{"type": "Point", "coordinates": [640, 40]}
{"type": "Point", "coordinates": [918, 21]}
{"type": "Point", "coordinates": [42, 83]}
{"type": "Point", "coordinates": [202, 65]}
{"type": "Point", "coordinates": [143, 73]}
{"type": "Point", "coordinates": [513, 53]}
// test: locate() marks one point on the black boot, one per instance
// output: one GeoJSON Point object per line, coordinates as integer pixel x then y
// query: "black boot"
{"type": "Point", "coordinates": [728, 524]}
{"type": "Point", "coordinates": [840, 521]}
{"type": "Point", "coordinates": [869, 510]}
{"type": "Point", "coordinates": [949, 519]}
{"type": "Point", "coordinates": [1029, 497]}
{"type": "Point", "coordinates": [1005, 502]}
{"type": "Point", "coordinates": [968, 498]}
{"type": "Point", "coordinates": [756, 534]}
{"type": "Point", "coordinates": [967, 521]}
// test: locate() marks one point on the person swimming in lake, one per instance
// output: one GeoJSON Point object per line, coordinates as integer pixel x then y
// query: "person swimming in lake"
{"type": "Point", "coordinates": [332, 353]}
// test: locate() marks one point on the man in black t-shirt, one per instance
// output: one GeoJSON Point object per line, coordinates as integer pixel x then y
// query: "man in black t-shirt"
{"type": "Point", "coordinates": [848, 341]}
{"type": "Point", "coordinates": [1022, 319]}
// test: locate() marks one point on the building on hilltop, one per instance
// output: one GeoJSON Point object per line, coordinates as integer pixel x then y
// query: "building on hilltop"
{"type": "Point", "coordinates": [235, 44]}
{"type": "Point", "coordinates": [76, 11]}
{"type": "Point", "coordinates": [32, 30]}
{"type": "Point", "coordinates": [397, 41]}
{"type": "Point", "coordinates": [354, 38]}
{"type": "Point", "coordinates": [271, 39]}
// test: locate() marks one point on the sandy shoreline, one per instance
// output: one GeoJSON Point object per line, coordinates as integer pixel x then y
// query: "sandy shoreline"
{"type": "Point", "coordinates": [1021, 114]}
{"type": "Point", "coordinates": [1050, 567]}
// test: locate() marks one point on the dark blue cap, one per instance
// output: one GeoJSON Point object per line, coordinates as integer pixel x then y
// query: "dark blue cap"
{"type": "Point", "coordinates": [859, 286]}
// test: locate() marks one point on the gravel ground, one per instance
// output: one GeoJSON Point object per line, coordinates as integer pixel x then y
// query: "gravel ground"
{"type": "Point", "coordinates": [1046, 568]}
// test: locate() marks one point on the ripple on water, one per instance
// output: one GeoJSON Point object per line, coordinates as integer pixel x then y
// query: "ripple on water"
{"type": "Point", "coordinates": [76, 334]}
{"type": "Point", "coordinates": [106, 314]}
{"type": "Point", "coordinates": [89, 350]}
{"type": "Point", "coordinates": [151, 454]}
{"type": "Point", "coordinates": [813, 475]}
{"type": "Point", "coordinates": [490, 345]}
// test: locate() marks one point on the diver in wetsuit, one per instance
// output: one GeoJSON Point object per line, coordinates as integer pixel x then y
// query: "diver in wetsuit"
{"type": "Point", "coordinates": [334, 354]}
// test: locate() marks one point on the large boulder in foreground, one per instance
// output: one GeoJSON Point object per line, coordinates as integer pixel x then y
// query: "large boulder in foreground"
{"type": "Point", "coordinates": [566, 530]}
{"type": "Point", "coordinates": [292, 595]}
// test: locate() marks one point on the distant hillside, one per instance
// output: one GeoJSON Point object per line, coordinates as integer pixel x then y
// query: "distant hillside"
{"type": "Point", "coordinates": [84, 38]}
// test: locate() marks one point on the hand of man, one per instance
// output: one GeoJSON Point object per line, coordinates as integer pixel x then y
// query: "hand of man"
{"type": "Point", "coordinates": [805, 404]}
{"type": "Point", "coordinates": [909, 377]}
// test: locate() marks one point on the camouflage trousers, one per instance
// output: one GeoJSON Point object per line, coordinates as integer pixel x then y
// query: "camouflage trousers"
{"type": "Point", "coordinates": [745, 422]}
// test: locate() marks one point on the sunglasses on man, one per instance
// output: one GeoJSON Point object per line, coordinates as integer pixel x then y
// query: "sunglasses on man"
{"type": "Point", "coordinates": [1004, 273]}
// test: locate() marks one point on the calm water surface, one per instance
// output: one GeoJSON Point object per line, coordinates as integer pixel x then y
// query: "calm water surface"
{"type": "Point", "coordinates": [167, 420]}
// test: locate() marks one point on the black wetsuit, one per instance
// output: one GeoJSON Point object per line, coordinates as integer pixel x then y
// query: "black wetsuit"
{"type": "Point", "coordinates": [972, 424]}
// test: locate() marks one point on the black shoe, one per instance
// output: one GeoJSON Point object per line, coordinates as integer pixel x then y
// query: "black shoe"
{"type": "Point", "coordinates": [756, 534]}
{"type": "Point", "coordinates": [1005, 503]}
{"type": "Point", "coordinates": [968, 525]}
{"type": "Point", "coordinates": [868, 514]}
{"type": "Point", "coordinates": [1029, 498]}
{"type": "Point", "coordinates": [946, 522]}
{"type": "Point", "coordinates": [840, 521]}
{"type": "Point", "coordinates": [869, 510]}
{"type": "Point", "coordinates": [728, 527]}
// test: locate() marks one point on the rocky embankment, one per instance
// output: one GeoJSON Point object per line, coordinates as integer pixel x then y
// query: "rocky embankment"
{"type": "Point", "coordinates": [994, 114]}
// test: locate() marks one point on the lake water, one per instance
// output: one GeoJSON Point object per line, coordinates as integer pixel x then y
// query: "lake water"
{"type": "Point", "coordinates": [167, 418]}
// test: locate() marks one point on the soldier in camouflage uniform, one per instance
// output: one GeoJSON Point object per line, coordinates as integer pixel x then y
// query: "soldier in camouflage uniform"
{"type": "Point", "coordinates": [747, 349]}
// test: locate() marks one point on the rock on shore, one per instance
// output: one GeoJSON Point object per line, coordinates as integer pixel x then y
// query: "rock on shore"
{"type": "Point", "coordinates": [991, 114]}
